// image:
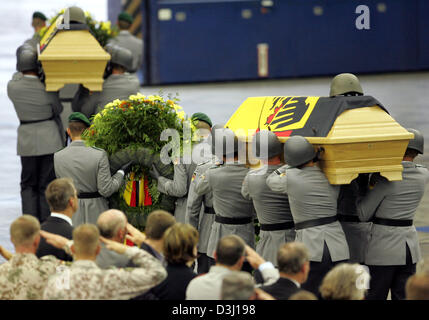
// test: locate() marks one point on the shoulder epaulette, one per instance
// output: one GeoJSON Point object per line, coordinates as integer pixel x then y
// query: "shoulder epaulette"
{"type": "Point", "coordinates": [99, 149]}
{"type": "Point", "coordinates": [203, 163]}
{"type": "Point", "coordinates": [420, 166]}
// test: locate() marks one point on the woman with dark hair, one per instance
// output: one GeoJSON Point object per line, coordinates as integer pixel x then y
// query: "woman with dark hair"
{"type": "Point", "coordinates": [180, 252]}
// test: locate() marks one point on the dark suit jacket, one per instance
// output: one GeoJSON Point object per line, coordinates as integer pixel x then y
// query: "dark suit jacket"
{"type": "Point", "coordinates": [174, 286]}
{"type": "Point", "coordinates": [57, 226]}
{"type": "Point", "coordinates": [282, 289]}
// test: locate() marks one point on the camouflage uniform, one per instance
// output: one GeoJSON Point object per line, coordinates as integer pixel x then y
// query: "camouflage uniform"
{"type": "Point", "coordinates": [85, 281]}
{"type": "Point", "coordinates": [24, 276]}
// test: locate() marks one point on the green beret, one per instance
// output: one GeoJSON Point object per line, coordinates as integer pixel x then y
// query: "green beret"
{"type": "Point", "coordinates": [80, 117]}
{"type": "Point", "coordinates": [125, 16]}
{"type": "Point", "coordinates": [39, 15]}
{"type": "Point", "coordinates": [201, 117]}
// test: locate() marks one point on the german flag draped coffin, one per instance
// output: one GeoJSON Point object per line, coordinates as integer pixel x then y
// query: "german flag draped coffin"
{"type": "Point", "coordinates": [356, 134]}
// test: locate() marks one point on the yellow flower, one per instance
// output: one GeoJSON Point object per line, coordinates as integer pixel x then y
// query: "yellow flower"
{"type": "Point", "coordinates": [87, 14]}
{"type": "Point", "coordinates": [116, 102]}
{"type": "Point", "coordinates": [105, 25]}
{"type": "Point", "coordinates": [104, 111]}
{"type": "Point", "coordinates": [97, 116]}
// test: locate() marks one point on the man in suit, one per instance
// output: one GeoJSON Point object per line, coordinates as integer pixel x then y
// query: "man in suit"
{"type": "Point", "coordinates": [40, 132]}
{"type": "Point", "coordinates": [118, 84]}
{"type": "Point", "coordinates": [272, 208]}
{"type": "Point", "coordinates": [127, 40]}
{"type": "Point", "coordinates": [313, 202]}
{"type": "Point", "coordinates": [393, 248]}
{"type": "Point", "coordinates": [90, 170]}
{"type": "Point", "coordinates": [230, 254]}
{"type": "Point", "coordinates": [294, 266]}
{"type": "Point", "coordinates": [183, 171]}
{"type": "Point", "coordinates": [113, 226]}
{"type": "Point", "coordinates": [62, 199]}
{"type": "Point", "coordinates": [234, 213]}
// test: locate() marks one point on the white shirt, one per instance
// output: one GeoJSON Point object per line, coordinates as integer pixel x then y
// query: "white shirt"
{"type": "Point", "coordinates": [62, 216]}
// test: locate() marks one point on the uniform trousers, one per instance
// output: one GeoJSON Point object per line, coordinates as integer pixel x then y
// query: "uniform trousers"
{"type": "Point", "coordinates": [393, 278]}
{"type": "Point", "coordinates": [204, 262]}
{"type": "Point", "coordinates": [318, 270]}
{"type": "Point", "coordinates": [37, 172]}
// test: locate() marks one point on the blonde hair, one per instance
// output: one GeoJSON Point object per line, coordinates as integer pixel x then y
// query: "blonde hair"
{"type": "Point", "coordinates": [85, 239]}
{"type": "Point", "coordinates": [303, 295]}
{"type": "Point", "coordinates": [237, 285]}
{"type": "Point", "coordinates": [343, 283]}
{"type": "Point", "coordinates": [179, 243]}
{"type": "Point", "coordinates": [24, 230]}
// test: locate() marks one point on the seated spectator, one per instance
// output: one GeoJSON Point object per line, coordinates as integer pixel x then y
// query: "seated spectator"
{"type": "Point", "coordinates": [417, 287]}
{"type": "Point", "coordinates": [229, 256]}
{"type": "Point", "coordinates": [180, 251]}
{"type": "Point", "coordinates": [24, 276]}
{"type": "Point", "coordinates": [157, 223]}
{"type": "Point", "coordinates": [303, 295]}
{"type": "Point", "coordinates": [84, 280]}
{"type": "Point", "coordinates": [345, 282]}
{"type": "Point", "coordinates": [294, 266]}
{"type": "Point", "coordinates": [113, 226]}
{"type": "Point", "coordinates": [62, 199]}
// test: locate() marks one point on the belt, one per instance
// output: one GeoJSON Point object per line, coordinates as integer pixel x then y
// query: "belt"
{"type": "Point", "coordinates": [226, 220]}
{"type": "Point", "coordinates": [315, 222]}
{"type": "Point", "coordinates": [36, 121]}
{"type": "Point", "coordinates": [209, 210]}
{"type": "Point", "coordinates": [277, 226]}
{"type": "Point", "coordinates": [348, 218]}
{"type": "Point", "coordinates": [393, 222]}
{"type": "Point", "coordinates": [89, 195]}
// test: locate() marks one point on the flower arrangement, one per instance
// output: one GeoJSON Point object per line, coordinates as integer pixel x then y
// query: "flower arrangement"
{"type": "Point", "coordinates": [130, 130]}
{"type": "Point", "coordinates": [101, 30]}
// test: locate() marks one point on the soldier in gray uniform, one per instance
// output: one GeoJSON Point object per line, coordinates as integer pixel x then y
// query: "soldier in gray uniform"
{"type": "Point", "coordinates": [118, 85]}
{"type": "Point", "coordinates": [234, 214]}
{"type": "Point", "coordinates": [199, 208]}
{"type": "Point", "coordinates": [90, 170]}
{"type": "Point", "coordinates": [179, 186]}
{"type": "Point", "coordinates": [127, 40]}
{"type": "Point", "coordinates": [357, 232]}
{"type": "Point", "coordinates": [393, 248]}
{"type": "Point", "coordinates": [313, 202]}
{"type": "Point", "coordinates": [40, 132]}
{"type": "Point", "coordinates": [272, 208]}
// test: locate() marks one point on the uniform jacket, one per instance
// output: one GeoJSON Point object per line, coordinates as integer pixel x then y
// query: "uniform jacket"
{"type": "Point", "coordinates": [24, 276]}
{"type": "Point", "coordinates": [85, 281]}
{"type": "Point", "coordinates": [394, 200]}
{"type": "Point", "coordinates": [225, 182]}
{"type": "Point", "coordinates": [271, 207]}
{"type": "Point", "coordinates": [127, 40]}
{"type": "Point", "coordinates": [115, 86]}
{"type": "Point", "coordinates": [312, 197]}
{"type": "Point", "coordinates": [196, 205]}
{"type": "Point", "coordinates": [57, 226]}
{"type": "Point", "coordinates": [32, 102]}
{"type": "Point", "coordinates": [90, 170]}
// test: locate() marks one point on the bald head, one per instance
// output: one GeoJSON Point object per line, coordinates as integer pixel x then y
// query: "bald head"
{"type": "Point", "coordinates": [229, 250]}
{"type": "Point", "coordinates": [112, 224]}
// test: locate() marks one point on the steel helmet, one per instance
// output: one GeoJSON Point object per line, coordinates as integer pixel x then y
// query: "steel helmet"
{"type": "Point", "coordinates": [226, 143]}
{"type": "Point", "coordinates": [266, 145]}
{"type": "Point", "coordinates": [216, 127]}
{"type": "Point", "coordinates": [26, 58]}
{"type": "Point", "coordinates": [345, 83]}
{"type": "Point", "coordinates": [298, 150]}
{"type": "Point", "coordinates": [417, 143]}
{"type": "Point", "coordinates": [76, 14]}
{"type": "Point", "coordinates": [120, 56]}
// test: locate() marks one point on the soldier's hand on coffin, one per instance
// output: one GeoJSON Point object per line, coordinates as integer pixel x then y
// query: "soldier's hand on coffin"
{"type": "Point", "coordinates": [54, 239]}
{"type": "Point", "coordinates": [135, 236]}
{"type": "Point", "coordinates": [114, 246]}
{"type": "Point", "coordinates": [254, 259]}
{"type": "Point", "coordinates": [154, 173]}
{"type": "Point", "coordinates": [127, 167]}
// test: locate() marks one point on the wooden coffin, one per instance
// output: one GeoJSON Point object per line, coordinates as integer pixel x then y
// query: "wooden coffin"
{"type": "Point", "coordinates": [361, 140]}
{"type": "Point", "coordinates": [73, 56]}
